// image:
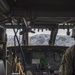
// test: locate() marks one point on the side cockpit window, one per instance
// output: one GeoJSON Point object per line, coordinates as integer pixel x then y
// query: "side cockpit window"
{"type": "Point", "coordinates": [11, 37]}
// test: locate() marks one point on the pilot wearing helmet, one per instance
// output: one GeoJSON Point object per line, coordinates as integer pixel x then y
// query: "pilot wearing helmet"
{"type": "Point", "coordinates": [68, 61]}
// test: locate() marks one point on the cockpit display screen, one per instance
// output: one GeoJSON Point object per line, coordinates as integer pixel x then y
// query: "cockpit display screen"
{"type": "Point", "coordinates": [38, 55]}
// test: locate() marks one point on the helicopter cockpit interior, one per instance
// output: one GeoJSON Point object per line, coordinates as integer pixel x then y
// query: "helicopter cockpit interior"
{"type": "Point", "coordinates": [27, 16]}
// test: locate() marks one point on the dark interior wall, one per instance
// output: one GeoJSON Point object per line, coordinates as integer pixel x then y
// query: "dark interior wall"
{"type": "Point", "coordinates": [43, 4]}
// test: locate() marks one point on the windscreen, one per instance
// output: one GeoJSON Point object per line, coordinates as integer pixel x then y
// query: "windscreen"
{"type": "Point", "coordinates": [42, 38]}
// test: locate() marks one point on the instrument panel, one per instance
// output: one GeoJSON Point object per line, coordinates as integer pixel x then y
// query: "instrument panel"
{"type": "Point", "coordinates": [48, 59]}
{"type": "Point", "coordinates": [41, 60]}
